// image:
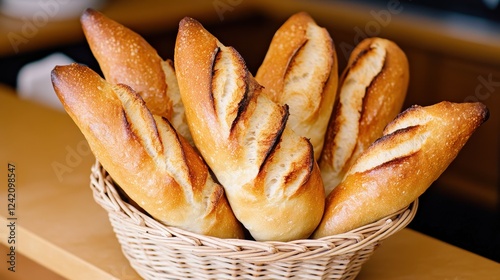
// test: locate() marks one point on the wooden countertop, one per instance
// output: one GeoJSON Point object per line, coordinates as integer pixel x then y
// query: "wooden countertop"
{"type": "Point", "coordinates": [60, 226]}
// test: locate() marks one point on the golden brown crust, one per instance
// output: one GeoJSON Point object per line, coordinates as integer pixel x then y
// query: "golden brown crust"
{"type": "Point", "coordinates": [300, 70]}
{"type": "Point", "coordinates": [142, 152]}
{"type": "Point", "coordinates": [371, 93]}
{"type": "Point", "coordinates": [270, 176]}
{"type": "Point", "coordinates": [415, 150]}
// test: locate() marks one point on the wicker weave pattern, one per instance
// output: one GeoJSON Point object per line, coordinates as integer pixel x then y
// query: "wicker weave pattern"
{"type": "Point", "coordinates": [157, 251]}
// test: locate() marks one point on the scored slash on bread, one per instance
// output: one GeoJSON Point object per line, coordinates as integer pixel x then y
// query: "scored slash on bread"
{"type": "Point", "coordinates": [397, 168]}
{"type": "Point", "coordinates": [300, 70]}
{"type": "Point", "coordinates": [269, 173]}
{"type": "Point", "coordinates": [264, 138]}
{"type": "Point", "coordinates": [127, 58]}
{"type": "Point", "coordinates": [371, 93]}
{"type": "Point", "coordinates": [156, 167]}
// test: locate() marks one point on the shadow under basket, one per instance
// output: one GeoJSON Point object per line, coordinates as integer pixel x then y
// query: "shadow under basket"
{"type": "Point", "coordinates": [157, 251]}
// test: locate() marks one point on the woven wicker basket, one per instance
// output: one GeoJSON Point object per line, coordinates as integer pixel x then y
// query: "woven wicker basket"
{"type": "Point", "coordinates": [157, 251]}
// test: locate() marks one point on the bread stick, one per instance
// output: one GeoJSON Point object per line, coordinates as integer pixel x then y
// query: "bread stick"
{"type": "Point", "coordinates": [413, 152]}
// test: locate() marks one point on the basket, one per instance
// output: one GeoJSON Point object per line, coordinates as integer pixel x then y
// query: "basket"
{"type": "Point", "coordinates": [157, 251]}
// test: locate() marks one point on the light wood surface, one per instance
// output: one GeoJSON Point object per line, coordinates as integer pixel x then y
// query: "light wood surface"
{"type": "Point", "coordinates": [471, 39]}
{"type": "Point", "coordinates": [61, 228]}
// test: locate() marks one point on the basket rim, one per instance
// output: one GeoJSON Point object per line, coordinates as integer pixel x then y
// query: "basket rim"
{"type": "Point", "coordinates": [107, 196]}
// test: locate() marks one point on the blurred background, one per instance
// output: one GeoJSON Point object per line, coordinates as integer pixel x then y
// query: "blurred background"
{"type": "Point", "coordinates": [453, 48]}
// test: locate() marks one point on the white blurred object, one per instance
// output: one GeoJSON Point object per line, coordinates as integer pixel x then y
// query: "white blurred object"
{"type": "Point", "coordinates": [34, 83]}
{"type": "Point", "coordinates": [41, 11]}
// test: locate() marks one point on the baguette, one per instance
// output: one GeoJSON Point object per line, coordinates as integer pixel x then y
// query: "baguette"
{"type": "Point", "coordinates": [413, 152]}
{"type": "Point", "coordinates": [127, 58]}
{"type": "Point", "coordinates": [371, 93]}
{"type": "Point", "coordinates": [271, 179]}
{"type": "Point", "coordinates": [155, 166]}
{"type": "Point", "coordinates": [300, 70]}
